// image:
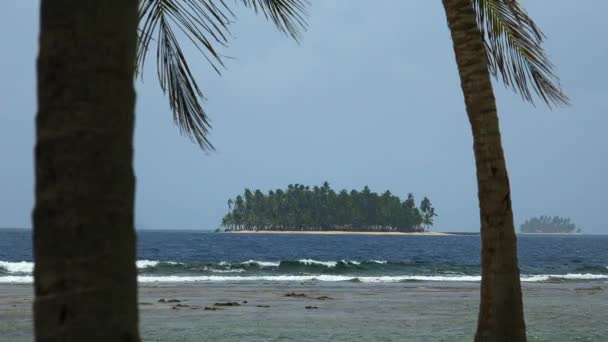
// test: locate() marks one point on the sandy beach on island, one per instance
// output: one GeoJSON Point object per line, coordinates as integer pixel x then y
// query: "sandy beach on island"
{"type": "Point", "coordinates": [334, 232]}
{"type": "Point", "coordinates": [339, 311]}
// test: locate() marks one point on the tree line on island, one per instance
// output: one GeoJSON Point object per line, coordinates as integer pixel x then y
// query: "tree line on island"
{"type": "Point", "coordinates": [547, 224]}
{"type": "Point", "coordinates": [320, 208]}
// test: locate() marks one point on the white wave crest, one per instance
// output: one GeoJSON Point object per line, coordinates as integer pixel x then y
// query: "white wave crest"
{"type": "Point", "coordinates": [316, 262]}
{"type": "Point", "coordinates": [383, 262]}
{"type": "Point", "coordinates": [259, 263]}
{"type": "Point", "coordinates": [146, 263]}
{"type": "Point", "coordinates": [332, 264]}
{"type": "Point", "coordinates": [153, 263]}
{"type": "Point", "coordinates": [569, 276]}
{"type": "Point", "coordinates": [328, 278]}
{"type": "Point", "coordinates": [28, 266]}
{"type": "Point", "coordinates": [16, 279]}
{"type": "Point", "coordinates": [17, 266]}
{"type": "Point", "coordinates": [234, 270]}
{"type": "Point", "coordinates": [280, 278]}
{"type": "Point", "coordinates": [300, 278]}
{"type": "Point", "coordinates": [363, 279]}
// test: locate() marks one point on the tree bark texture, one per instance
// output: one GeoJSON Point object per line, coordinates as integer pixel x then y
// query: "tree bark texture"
{"type": "Point", "coordinates": [84, 237]}
{"type": "Point", "coordinates": [501, 310]}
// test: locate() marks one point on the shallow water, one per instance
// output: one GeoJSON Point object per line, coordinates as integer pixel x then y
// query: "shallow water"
{"type": "Point", "coordinates": [187, 256]}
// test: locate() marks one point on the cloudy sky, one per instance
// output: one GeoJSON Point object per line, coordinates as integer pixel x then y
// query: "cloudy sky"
{"type": "Point", "coordinates": [370, 97]}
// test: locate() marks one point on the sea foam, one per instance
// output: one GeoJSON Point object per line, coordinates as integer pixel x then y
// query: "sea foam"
{"type": "Point", "coordinates": [16, 279]}
{"type": "Point", "coordinates": [27, 267]}
{"type": "Point", "coordinates": [362, 279]}
{"type": "Point", "coordinates": [382, 262]}
{"type": "Point", "coordinates": [17, 266]}
{"type": "Point", "coordinates": [146, 263]}
{"type": "Point", "coordinates": [257, 263]}
{"type": "Point", "coordinates": [315, 262]}
{"type": "Point", "coordinates": [330, 278]}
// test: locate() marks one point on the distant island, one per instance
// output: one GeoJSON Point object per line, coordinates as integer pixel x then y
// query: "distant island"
{"type": "Point", "coordinates": [320, 208]}
{"type": "Point", "coordinates": [549, 225]}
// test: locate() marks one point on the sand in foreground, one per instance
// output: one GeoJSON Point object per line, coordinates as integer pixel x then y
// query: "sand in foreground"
{"type": "Point", "coordinates": [413, 311]}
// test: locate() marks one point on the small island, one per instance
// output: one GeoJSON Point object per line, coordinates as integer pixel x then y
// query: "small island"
{"type": "Point", "coordinates": [549, 225]}
{"type": "Point", "coordinates": [321, 209]}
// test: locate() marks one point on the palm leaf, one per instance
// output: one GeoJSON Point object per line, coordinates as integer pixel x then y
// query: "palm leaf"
{"type": "Point", "coordinates": [289, 16]}
{"type": "Point", "coordinates": [515, 54]}
{"type": "Point", "coordinates": [205, 24]}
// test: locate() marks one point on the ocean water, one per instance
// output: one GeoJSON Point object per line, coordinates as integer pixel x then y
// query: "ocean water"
{"type": "Point", "coordinates": [193, 256]}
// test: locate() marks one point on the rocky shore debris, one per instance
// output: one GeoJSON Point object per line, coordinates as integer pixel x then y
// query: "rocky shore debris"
{"type": "Point", "coordinates": [311, 307]}
{"type": "Point", "coordinates": [163, 300]}
{"type": "Point", "coordinates": [263, 306]}
{"type": "Point", "coordinates": [227, 304]}
{"type": "Point", "coordinates": [304, 295]}
{"type": "Point", "coordinates": [296, 295]}
{"type": "Point", "coordinates": [185, 306]}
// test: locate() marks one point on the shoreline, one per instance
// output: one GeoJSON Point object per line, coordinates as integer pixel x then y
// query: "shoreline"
{"type": "Point", "coordinates": [334, 232]}
{"type": "Point", "coordinates": [573, 234]}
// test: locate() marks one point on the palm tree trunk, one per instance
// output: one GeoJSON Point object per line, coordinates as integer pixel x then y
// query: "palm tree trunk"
{"type": "Point", "coordinates": [501, 309]}
{"type": "Point", "coordinates": [84, 237]}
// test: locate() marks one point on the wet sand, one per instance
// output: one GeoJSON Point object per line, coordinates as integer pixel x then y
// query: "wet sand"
{"type": "Point", "coordinates": [411, 311]}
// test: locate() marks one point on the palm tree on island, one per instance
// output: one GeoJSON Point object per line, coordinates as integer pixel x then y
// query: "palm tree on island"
{"type": "Point", "coordinates": [549, 225]}
{"type": "Point", "coordinates": [302, 208]}
{"type": "Point", "coordinates": [84, 238]}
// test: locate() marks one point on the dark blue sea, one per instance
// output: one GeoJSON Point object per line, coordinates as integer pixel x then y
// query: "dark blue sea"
{"type": "Point", "coordinates": [194, 256]}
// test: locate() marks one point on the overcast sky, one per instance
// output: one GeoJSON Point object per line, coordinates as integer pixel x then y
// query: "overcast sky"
{"type": "Point", "coordinates": [370, 97]}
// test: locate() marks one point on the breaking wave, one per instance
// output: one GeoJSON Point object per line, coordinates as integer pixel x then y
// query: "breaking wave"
{"type": "Point", "coordinates": [311, 266]}
{"type": "Point", "coordinates": [364, 271]}
{"type": "Point", "coordinates": [18, 267]}
{"type": "Point", "coordinates": [329, 278]}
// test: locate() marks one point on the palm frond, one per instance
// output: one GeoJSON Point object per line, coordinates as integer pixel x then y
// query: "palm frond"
{"type": "Point", "coordinates": [289, 16]}
{"type": "Point", "coordinates": [515, 54]}
{"type": "Point", "coordinates": [205, 24]}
